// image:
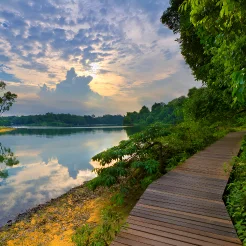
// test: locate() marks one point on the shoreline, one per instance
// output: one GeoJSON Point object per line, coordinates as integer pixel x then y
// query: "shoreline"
{"type": "Point", "coordinates": [54, 222]}
{"type": "Point", "coordinates": [38, 207]}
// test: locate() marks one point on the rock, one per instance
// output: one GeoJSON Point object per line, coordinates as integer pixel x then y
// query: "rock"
{"type": "Point", "coordinates": [9, 223]}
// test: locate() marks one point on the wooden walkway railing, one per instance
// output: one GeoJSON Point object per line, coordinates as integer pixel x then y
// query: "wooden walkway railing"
{"type": "Point", "coordinates": [185, 206]}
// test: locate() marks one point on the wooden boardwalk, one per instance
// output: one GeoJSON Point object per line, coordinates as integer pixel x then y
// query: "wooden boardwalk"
{"type": "Point", "coordinates": [185, 206]}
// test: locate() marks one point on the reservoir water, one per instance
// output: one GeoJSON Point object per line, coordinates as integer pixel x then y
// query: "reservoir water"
{"type": "Point", "coordinates": [51, 161]}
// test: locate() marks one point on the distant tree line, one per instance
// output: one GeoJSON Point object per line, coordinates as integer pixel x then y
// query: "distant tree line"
{"type": "Point", "coordinates": [169, 113]}
{"type": "Point", "coordinates": [51, 119]}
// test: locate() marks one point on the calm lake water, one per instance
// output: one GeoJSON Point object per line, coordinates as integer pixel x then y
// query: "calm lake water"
{"type": "Point", "coordinates": [51, 161]}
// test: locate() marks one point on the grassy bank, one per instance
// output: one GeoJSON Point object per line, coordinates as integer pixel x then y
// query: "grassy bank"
{"type": "Point", "coordinates": [6, 129]}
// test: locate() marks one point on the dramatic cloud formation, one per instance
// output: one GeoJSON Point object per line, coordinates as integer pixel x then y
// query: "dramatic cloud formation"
{"type": "Point", "coordinates": [112, 51]}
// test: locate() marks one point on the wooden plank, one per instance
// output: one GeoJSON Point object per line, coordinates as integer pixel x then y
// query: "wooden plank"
{"type": "Point", "coordinates": [189, 192]}
{"type": "Point", "coordinates": [127, 240]}
{"type": "Point", "coordinates": [187, 216]}
{"type": "Point", "coordinates": [157, 238]}
{"type": "Point", "coordinates": [115, 243]}
{"type": "Point", "coordinates": [185, 229]}
{"type": "Point", "coordinates": [202, 211]}
{"type": "Point", "coordinates": [198, 197]}
{"type": "Point", "coordinates": [176, 186]}
{"type": "Point", "coordinates": [182, 221]}
{"type": "Point", "coordinates": [136, 240]}
{"type": "Point", "coordinates": [189, 203]}
{"type": "Point", "coordinates": [185, 206]}
{"type": "Point", "coordinates": [190, 237]}
{"type": "Point", "coordinates": [188, 224]}
{"type": "Point", "coordinates": [178, 199]}
{"type": "Point", "coordinates": [195, 178]}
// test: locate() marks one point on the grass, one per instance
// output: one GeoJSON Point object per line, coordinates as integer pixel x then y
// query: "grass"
{"type": "Point", "coordinates": [235, 198]}
{"type": "Point", "coordinates": [6, 129]}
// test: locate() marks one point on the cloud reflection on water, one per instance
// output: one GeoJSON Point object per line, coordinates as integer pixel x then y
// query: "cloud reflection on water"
{"type": "Point", "coordinates": [49, 166]}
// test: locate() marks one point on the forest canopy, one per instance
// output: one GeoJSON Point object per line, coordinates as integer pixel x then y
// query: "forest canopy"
{"type": "Point", "coordinates": [212, 41]}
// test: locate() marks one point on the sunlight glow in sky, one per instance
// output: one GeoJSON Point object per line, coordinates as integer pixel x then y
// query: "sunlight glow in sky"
{"type": "Point", "coordinates": [89, 56]}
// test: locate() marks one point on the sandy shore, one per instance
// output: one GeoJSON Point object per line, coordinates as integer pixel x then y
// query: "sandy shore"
{"type": "Point", "coordinates": [54, 222]}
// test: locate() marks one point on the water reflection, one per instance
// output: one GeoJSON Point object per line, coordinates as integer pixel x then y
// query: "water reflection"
{"type": "Point", "coordinates": [51, 161]}
{"type": "Point", "coordinates": [7, 159]}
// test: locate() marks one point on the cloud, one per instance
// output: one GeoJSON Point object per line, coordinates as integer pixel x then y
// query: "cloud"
{"type": "Point", "coordinates": [52, 75]}
{"type": "Point", "coordinates": [7, 76]}
{"type": "Point", "coordinates": [73, 86]}
{"type": "Point", "coordinates": [116, 47]}
{"type": "Point", "coordinates": [4, 58]}
{"type": "Point", "coordinates": [49, 167]}
{"type": "Point", "coordinates": [35, 66]}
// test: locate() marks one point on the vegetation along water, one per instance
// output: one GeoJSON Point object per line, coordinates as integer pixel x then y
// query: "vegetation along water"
{"type": "Point", "coordinates": [212, 38]}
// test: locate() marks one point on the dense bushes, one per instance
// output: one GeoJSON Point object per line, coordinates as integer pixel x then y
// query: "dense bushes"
{"type": "Point", "coordinates": [236, 194]}
{"type": "Point", "coordinates": [102, 234]}
{"type": "Point", "coordinates": [146, 155]}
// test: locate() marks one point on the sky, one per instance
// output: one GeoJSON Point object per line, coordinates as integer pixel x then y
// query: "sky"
{"type": "Point", "coordinates": [89, 56]}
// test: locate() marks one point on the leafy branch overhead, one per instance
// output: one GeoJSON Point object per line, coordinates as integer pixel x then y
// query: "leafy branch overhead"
{"type": "Point", "coordinates": [213, 41]}
{"type": "Point", "coordinates": [136, 158]}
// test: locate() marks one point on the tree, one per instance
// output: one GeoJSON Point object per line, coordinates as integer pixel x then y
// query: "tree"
{"type": "Point", "coordinates": [138, 159]}
{"type": "Point", "coordinates": [7, 99]}
{"type": "Point", "coordinates": [213, 41]}
{"type": "Point", "coordinates": [144, 110]}
{"type": "Point", "coordinates": [7, 159]}
{"type": "Point", "coordinates": [208, 104]}
{"type": "Point", "coordinates": [157, 107]}
{"type": "Point", "coordinates": [191, 48]}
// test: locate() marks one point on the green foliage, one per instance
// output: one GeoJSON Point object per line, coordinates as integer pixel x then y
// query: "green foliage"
{"type": "Point", "coordinates": [191, 47]}
{"type": "Point", "coordinates": [206, 103]}
{"type": "Point", "coordinates": [236, 194]}
{"type": "Point", "coordinates": [7, 159]}
{"type": "Point", "coordinates": [149, 166]}
{"type": "Point", "coordinates": [131, 159]}
{"type": "Point", "coordinates": [6, 99]}
{"type": "Point", "coordinates": [170, 113]}
{"type": "Point", "coordinates": [137, 162]}
{"type": "Point", "coordinates": [213, 41]}
{"type": "Point", "coordinates": [102, 234]}
{"type": "Point", "coordinates": [51, 119]}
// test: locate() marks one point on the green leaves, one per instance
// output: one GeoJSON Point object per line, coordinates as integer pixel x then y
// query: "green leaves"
{"type": "Point", "coordinates": [160, 112]}
{"type": "Point", "coordinates": [213, 42]}
{"type": "Point", "coordinates": [236, 194]}
{"type": "Point", "coordinates": [238, 92]}
{"type": "Point", "coordinates": [149, 166]}
{"type": "Point", "coordinates": [103, 234]}
{"type": "Point", "coordinates": [7, 100]}
{"type": "Point", "coordinates": [8, 159]}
